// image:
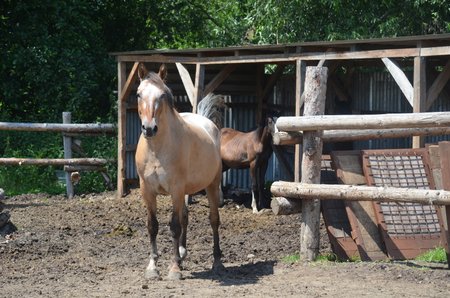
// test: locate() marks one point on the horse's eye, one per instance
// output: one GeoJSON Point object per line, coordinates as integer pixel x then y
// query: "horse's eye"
{"type": "Point", "coordinates": [138, 96]}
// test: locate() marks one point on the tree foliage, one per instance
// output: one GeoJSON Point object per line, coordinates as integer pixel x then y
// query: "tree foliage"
{"type": "Point", "coordinates": [54, 54]}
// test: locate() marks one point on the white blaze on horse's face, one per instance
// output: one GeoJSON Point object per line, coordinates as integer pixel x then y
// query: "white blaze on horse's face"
{"type": "Point", "coordinates": [149, 97]}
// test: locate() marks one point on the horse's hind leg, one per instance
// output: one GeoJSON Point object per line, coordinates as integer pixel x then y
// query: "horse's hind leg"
{"type": "Point", "coordinates": [255, 192]}
{"type": "Point", "coordinates": [184, 223]}
{"type": "Point", "coordinates": [212, 192]}
{"type": "Point", "coordinates": [152, 225]}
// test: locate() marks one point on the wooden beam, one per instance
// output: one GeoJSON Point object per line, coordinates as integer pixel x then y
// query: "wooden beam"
{"type": "Point", "coordinates": [121, 130]}
{"type": "Point", "coordinates": [309, 191]}
{"type": "Point", "coordinates": [219, 78]}
{"type": "Point", "coordinates": [126, 89]}
{"type": "Point", "coordinates": [199, 84]}
{"type": "Point", "coordinates": [377, 121]}
{"type": "Point", "coordinates": [400, 78]}
{"type": "Point", "coordinates": [292, 57]}
{"type": "Point", "coordinates": [420, 94]}
{"type": "Point", "coordinates": [259, 91]}
{"type": "Point", "coordinates": [438, 86]}
{"type": "Point", "coordinates": [187, 81]}
{"type": "Point", "coordinates": [299, 86]}
{"type": "Point", "coordinates": [273, 79]}
{"type": "Point", "coordinates": [340, 92]}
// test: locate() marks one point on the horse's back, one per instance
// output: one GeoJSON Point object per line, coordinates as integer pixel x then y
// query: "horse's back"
{"type": "Point", "coordinates": [201, 125]}
{"type": "Point", "coordinates": [203, 141]}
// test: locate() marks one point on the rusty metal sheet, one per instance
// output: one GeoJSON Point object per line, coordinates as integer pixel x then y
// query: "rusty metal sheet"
{"type": "Point", "coordinates": [335, 217]}
{"type": "Point", "coordinates": [361, 214]}
{"type": "Point", "coordinates": [444, 154]}
{"type": "Point", "coordinates": [408, 229]}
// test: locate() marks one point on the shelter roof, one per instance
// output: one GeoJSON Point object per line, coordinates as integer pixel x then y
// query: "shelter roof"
{"type": "Point", "coordinates": [407, 46]}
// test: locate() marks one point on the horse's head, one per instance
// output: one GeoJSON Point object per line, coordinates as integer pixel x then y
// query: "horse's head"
{"type": "Point", "coordinates": [270, 124]}
{"type": "Point", "coordinates": [152, 96]}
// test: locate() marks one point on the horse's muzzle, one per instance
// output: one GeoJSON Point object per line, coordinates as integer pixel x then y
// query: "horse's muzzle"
{"type": "Point", "coordinates": [149, 132]}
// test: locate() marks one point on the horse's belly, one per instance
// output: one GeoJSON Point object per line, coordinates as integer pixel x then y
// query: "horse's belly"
{"type": "Point", "coordinates": [202, 170]}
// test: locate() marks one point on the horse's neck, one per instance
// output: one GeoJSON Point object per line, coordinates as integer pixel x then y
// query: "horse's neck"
{"type": "Point", "coordinates": [263, 134]}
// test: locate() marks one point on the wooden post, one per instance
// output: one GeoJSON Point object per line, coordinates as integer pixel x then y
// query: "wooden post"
{"type": "Point", "coordinates": [199, 86]}
{"type": "Point", "coordinates": [67, 118]}
{"type": "Point", "coordinates": [299, 86]}
{"type": "Point", "coordinates": [420, 94]}
{"type": "Point", "coordinates": [287, 205]}
{"type": "Point", "coordinates": [444, 153]}
{"type": "Point", "coordinates": [315, 95]}
{"type": "Point", "coordinates": [121, 129]}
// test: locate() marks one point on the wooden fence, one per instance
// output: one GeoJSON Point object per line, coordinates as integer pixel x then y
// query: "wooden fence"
{"type": "Point", "coordinates": [312, 128]}
{"type": "Point", "coordinates": [71, 165]}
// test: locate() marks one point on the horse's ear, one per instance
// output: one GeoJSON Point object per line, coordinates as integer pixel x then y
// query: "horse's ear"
{"type": "Point", "coordinates": [162, 72]}
{"type": "Point", "coordinates": [142, 71]}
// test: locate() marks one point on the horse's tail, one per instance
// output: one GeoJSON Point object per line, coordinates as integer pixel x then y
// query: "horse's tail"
{"type": "Point", "coordinates": [211, 107]}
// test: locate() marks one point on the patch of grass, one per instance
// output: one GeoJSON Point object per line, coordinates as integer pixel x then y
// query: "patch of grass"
{"type": "Point", "coordinates": [330, 257]}
{"type": "Point", "coordinates": [436, 255]}
{"type": "Point", "coordinates": [291, 259]}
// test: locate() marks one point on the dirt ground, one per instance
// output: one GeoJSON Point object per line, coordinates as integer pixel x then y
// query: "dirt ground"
{"type": "Point", "coordinates": [97, 246]}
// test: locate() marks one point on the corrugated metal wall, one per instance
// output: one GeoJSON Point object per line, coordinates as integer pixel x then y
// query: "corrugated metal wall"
{"type": "Point", "coordinates": [377, 93]}
{"type": "Point", "coordinates": [371, 92]}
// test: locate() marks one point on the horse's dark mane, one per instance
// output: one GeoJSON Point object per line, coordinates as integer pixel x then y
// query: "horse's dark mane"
{"type": "Point", "coordinates": [156, 80]}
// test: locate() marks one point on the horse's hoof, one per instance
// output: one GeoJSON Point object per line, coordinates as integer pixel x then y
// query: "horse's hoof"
{"type": "Point", "coordinates": [218, 267]}
{"type": "Point", "coordinates": [183, 252]}
{"type": "Point", "coordinates": [174, 275]}
{"type": "Point", "coordinates": [152, 274]}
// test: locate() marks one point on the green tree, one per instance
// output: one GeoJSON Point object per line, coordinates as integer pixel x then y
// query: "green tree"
{"type": "Point", "coordinates": [53, 59]}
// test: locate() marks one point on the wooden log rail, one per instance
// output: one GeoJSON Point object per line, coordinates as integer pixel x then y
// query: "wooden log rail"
{"type": "Point", "coordinates": [307, 191]}
{"type": "Point", "coordinates": [92, 128]}
{"type": "Point", "coordinates": [54, 161]}
{"type": "Point", "coordinates": [71, 165]}
{"type": "Point", "coordinates": [296, 137]}
{"type": "Point", "coordinates": [380, 121]}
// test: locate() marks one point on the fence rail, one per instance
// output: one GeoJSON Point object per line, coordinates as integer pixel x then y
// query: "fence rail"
{"type": "Point", "coordinates": [71, 165]}
{"type": "Point", "coordinates": [91, 128]}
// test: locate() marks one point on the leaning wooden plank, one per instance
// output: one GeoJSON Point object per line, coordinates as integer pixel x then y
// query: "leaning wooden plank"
{"type": "Point", "coordinates": [444, 152]}
{"type": "Point", "coordinates": [361, 214]}
{"type": "Point", "coordinates": [309, 191]}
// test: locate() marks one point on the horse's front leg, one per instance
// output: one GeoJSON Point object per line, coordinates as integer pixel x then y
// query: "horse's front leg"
{"type": "Point", "coordinates": [178, 227]}
{"type": "Point", "coordinates": [152, 225]}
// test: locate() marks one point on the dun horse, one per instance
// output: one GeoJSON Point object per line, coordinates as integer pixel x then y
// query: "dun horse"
{"type": "Point", "coordinates": [177, 154]}
{"type": "Point", "coordinates": [240, 150]}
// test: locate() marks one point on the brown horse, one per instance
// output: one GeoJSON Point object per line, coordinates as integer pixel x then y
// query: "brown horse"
{"type": "Point", "coordinates": [177, 154]}
{"type": "Point", "coordinates": [241, 150]}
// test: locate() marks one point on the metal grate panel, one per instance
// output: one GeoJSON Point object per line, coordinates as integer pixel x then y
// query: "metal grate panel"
{"type": "Point", "coordinates": [408, 228]}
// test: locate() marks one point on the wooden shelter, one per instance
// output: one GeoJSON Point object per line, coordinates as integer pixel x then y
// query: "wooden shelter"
{"type": "Point", "coordinates": [243, 70]}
